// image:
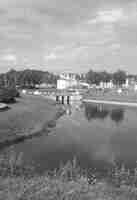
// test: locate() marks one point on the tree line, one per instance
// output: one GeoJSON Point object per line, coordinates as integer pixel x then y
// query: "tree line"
{"type": "Point", "coordinates": [118, 78]}
{"type": "Point", "coordinates": [27, 78]}
{"type": "Point", "coordinates": [12, 80]}
{"type": "Point", "coordinates": [30, 78]}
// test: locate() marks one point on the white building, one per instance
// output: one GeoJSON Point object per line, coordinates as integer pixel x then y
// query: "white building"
{"type": "Point", "coordinates": [68, 76]}
{"type": "Point", "coordinates": [127, 83]}
{"type": "Point", "coordinates": [67, 80]}
{"type": "Point", "coordinates": [106, 85]}
{"type": "Point", "coordinates": [130, 83]}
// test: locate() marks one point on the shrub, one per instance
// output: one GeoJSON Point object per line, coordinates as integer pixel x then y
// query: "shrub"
{"type": "Point", "coordinates": [14, 92]}
{"type": "Point", "coordinates": [8, 95]}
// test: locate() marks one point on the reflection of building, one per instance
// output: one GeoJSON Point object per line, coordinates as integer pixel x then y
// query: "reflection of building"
{"type": "Point", "coordinates": [67, 80]}
{"type": "Point", "coordinates": [101, 112]}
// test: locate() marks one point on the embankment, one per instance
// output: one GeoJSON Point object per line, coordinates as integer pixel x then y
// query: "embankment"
{"type": "Point", "coordinates": [30, 116]}
{"type": "Point", "coordinates": [110, 102]}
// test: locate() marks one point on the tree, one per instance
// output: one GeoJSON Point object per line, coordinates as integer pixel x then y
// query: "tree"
{"type": "Point", "coordinates": [11, 78]}
{"type": "Point", "coordinates": [78, 77]}
{"type": "Point", "coordinates": [119, 77]}
{"type": "Point", "coordinates": [25, 78]}
{"type": "Point", "coordinates": [36, 77]}
{"type": "Point", "coordinates": [30, 78]}
{"type": "Point", "coordinates": [2, 82]}
{"type": "Point", "coordinates": [93, 77]}
{"type": "Point", "coordinates": [105, 76]}
{"type": "Point", "coordinates": [8, 95]}
{"type": "Point", "coordinates": [90, 76]}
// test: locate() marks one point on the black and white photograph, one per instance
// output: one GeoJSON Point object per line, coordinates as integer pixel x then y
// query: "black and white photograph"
{"type": "Point", "coordinates": [68, 99]}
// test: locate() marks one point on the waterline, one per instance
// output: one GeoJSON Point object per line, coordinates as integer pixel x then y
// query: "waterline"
{"type": "Point", "coordinates": [130, 104]}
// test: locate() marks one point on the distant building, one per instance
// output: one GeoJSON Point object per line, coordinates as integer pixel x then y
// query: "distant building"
{"type": "Point", "coordinates": [66, 80]}
{"type": "Point", "coordinates": [106, 85]}
{"type": "Point", "coordinates": [127, 83]}
{"type": "Point", "coordinates": [82, 76]}
{"type": "Point", "coordinates": [68, 76]}
{"type": "Point", "coordinates": [130, 83]}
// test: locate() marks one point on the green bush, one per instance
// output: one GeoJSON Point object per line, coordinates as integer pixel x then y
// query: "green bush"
{"type": "Point", "coordinates": [8, 95]}
{"type": "Point", "coordinates": [14, 92]}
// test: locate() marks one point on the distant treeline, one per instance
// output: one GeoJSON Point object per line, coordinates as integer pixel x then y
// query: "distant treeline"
{"type": "Point", "coordinates": [27, 78]}
{"type": "Point", "coordinates": [30, 78]}
{"type": "Point", "coordinates": [118, 78]}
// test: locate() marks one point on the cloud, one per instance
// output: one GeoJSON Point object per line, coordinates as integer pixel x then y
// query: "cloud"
{"type": "Point", "coordinates": [9, 58]}
{"type": "Point", "coordinates": [50, 56]}
{"type": "Point", "coordinates": [107, 16]}
{"type": "Point", "coordinates": [115, 46]}
{"type": "Point", "coordinates": [68, 34]}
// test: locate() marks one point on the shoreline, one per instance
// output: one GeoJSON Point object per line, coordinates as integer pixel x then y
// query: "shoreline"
{"type": "Point", "coordinates": [47, 128]}
{"type": "Point", "coordinates": [110, 102]}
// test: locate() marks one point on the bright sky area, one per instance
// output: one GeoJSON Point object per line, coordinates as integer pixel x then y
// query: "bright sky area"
{"type": "Point", "coordinates": [68, 35]}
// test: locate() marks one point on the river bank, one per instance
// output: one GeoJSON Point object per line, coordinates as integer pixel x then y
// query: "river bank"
{"type": "Point", "coordinates": [110, 102]}
{"type": "Point", "coordinates": [29, 117]}
{"type": "Point", "coordinates": [112, 98]}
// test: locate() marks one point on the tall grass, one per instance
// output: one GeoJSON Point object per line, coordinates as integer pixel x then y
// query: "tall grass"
{"type": "Point", "coordinates": [69, 182]}
{"type": "Point", "coordinates": [12, 165]}
{"type": "Point", "coordinates": [122, 176]}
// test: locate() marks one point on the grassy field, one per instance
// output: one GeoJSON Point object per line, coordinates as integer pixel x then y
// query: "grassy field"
{"type": "Point", "coordinates": [29, 115]}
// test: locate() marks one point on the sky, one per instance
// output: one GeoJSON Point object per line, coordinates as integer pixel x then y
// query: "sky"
{"type": "Point", "coordinates": [68, 35]}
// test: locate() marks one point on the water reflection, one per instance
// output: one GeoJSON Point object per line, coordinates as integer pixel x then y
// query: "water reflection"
{"type": "Point", "coordinates": [94, 111]}
{"type": "Point", "coordinates": [102, 112]}
{"type": "Point", "coordinates": [117, 115]}
{"type": "Point", "coordinates": [69, 110]}
{"type": "Point", "coordinates": [97, 145]}
{"type": "Point", "coordinates": [124, 148]}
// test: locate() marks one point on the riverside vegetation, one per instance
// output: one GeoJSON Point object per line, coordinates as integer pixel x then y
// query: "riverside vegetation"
{"type": "Point", "coordinates": [69, 182]}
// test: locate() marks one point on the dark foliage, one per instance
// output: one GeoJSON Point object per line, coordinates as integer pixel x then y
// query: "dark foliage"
{"type": "Point", "coordinates": [118, 77]}
{"type": "Point", "coordinates": [26, 79]}
{"type": "Point", "coordinates": [8, 95]}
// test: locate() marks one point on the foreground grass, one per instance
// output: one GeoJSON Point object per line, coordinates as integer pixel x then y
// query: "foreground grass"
{"type": "Point", "coordinates": [29, 115]}
{"type": "Point", "coordinates": [45, 188]}
{"type": "Point", "coordinates": [66, 183]}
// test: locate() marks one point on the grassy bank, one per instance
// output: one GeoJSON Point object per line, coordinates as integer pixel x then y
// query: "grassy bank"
{"type": "Point", "coordinates": [112, 95]}
{"type": "Point", "coordinates": [31, 115]}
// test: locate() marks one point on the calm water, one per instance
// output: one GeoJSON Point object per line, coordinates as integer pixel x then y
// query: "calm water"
{"type": "Point", "coordinates": [97, 135]}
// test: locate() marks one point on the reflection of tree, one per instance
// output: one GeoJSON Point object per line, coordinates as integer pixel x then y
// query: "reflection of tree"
{"type": "Point", "coordinates": [117, 115]}
{"type": "Point", "coordinates": [100, 112]}
{"type": "Point", "coordinates": [94, 112]}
